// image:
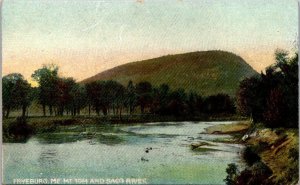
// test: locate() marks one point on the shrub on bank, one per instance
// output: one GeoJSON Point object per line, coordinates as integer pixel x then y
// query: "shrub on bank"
{"type": "Point", "coordinates": [258, 173]}
{"type": "Point", "coordinates": [18, 130]}
{"type": "Point", "coordinates": [250, 156]}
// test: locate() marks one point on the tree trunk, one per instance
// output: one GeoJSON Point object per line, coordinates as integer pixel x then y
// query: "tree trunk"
{"type": "Point", "coordinates": [62, 111]}
{"type": "Point", "coordinates": [98, 111]}
{"type": "Point", "coordinates": [7, 112]}
{"type": "Point", "coordinates": [130, 110]}
{"type": "Point", "coordinates": [120, 113]}
{"type": "Point", "coordinates": [104, 110]}
{"type": "Point", "coordinates": [89, 110]}
{"type": "Point", "coordinates": [44, 110]}
{"type": "Point", "coordinates": [142, 109]}
{"type": "Point", "coordinates": [24, 111]}
{"type": "Point", "coordinates": [50, 110]}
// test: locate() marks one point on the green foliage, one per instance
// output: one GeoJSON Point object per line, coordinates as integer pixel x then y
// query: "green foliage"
{"type": "Point", "coordinates": [220, 103]}
{"type": "Point", "coordinates": [16, 93]}
{"type": "Point", "coordinates": [17, 130]}
{"type": "Point", "coordinates": [255, 173]}
{"type": "Point", "coordinates": [258, 173]}
{"type": "Point", "coordinates": [130, 97]}
{"type": "Point", "coordinates": [232, 173]}
{"type": "Point", "coordinates": [144, 95]}
{"type": "Point", "coordinates": [177, 104]}
{"type": "Point", "coordinates": [57, 93]}
{"type": "Point", "coordinates": [250, 99]}
{"type": "Point", "coordinates": [47, 78]}
{"type": "Point", "coordinates": [272, 97]}
{"type": "Point", "coordinates": [294, 154]}
{"type": "Point", "coordinates": [105, 94]}
{"type": "Point", "coordinates": [293, 168]}
{"type": "Point", "coordinates": [250, 156]}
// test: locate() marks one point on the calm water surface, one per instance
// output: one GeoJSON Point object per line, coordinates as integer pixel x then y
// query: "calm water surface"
{"type": "Point", "coordinates": [121, 152]}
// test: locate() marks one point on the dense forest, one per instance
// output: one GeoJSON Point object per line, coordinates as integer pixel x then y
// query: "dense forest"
{"type": "Point", "coordinates": [59, 96]}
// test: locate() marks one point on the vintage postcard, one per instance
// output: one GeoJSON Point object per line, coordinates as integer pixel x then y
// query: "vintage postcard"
{"type": "Point", "coordinates": [150, 92]}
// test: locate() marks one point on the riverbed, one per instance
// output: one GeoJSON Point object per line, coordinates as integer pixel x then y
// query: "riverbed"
{"type": "Point", "coordinates": [157, 153]}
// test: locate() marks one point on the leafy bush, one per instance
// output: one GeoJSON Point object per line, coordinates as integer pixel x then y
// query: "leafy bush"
{"type": "Point", "coordinates": [250, 156]}
{"type": "Point", "coordinates": [294, 154]}
{"type": "Point", "coordinates": [280, 131]}
{"type": "Point", "coordinates": [232, 174]}
{"type": "Point", "coordinates": [293, 170]}
{"type": "Point", "coordinates": [18, 130]}
{"type": "Point", "coordinates": [258, 173]}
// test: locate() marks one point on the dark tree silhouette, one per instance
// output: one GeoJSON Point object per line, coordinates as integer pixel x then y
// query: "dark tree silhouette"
{"type": "Point", "coordinates": [275, 109]}
{"type": "Point", "coordinates": [78, 99]}
{"type": "Point", "coordinates": [94, 95]}
{"type": "Point", "coordinates": [272, 97]}
{"type": "Point", "coordinates": [250, 99]}
{"type": "Point", "coordinates": [177, 104]}
{"type": "Point", "coordinates": [47, 78]}
{"type": "Point", "coordinates": [64, 96]}
{"type": "Point", "coordinates": [131, 97]}
{"type": "Point", "coordinates": [144, 94]}
{"type": "Point", "coordinates": [220, 103]}
{"type": "Point", "coordinates": [16, 93]}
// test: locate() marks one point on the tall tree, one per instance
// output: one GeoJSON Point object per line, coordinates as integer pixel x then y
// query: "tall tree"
{"type": "Point", "coordinates": [47, 79]}
{"type": "Point", "coordinates": [78, 99]}
{"type": "Point", "coordinates": [163, 97]}
{"type": "Point", "coordinates": [16, 93]}
{"type": "Point", "coordinates": [131, 97]}
{"type": "Point", "coordinates": [64, 94]}
{"type": "Point", "coordinates": [119, 101]}
{"type": "Point", "coordinates": [272, 97]}
{"type": "Point", "coordinates": [250, 99]}
{"type": "Point", "coordinates": [177, 103]}
{"type": "Point", "coordinates": [144, 93]}
{"type": "Point", "coordinates": [93, 90]}
{"type": "Point", "coordinates": [275, 109]}
{"type": "Point", "coordinates": [220, 103]}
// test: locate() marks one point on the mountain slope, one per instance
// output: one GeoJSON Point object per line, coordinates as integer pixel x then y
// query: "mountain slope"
{"type": "Point", "coordinates": [205, 72]}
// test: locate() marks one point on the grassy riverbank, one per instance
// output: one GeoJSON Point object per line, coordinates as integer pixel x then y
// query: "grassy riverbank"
{"type": "Point", "coordinates": [275, 148]}
{"type": "Point", "coordinates": [278, 149]}
{"type": "Point", "coordinates": [228, 128]}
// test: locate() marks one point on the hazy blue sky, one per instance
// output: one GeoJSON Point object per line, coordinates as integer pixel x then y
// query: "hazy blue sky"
{"type": "Point", "coordinates": [86, 37]}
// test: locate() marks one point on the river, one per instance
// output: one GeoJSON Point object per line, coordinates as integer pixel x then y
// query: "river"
{"type": "Point", "coordinates": [158, 153]}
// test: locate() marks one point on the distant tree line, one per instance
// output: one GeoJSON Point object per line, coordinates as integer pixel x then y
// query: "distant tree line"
{"type": "Point", "coordinates": [59, 96]}
{"type": "Point", "coordinates": [272, 97]}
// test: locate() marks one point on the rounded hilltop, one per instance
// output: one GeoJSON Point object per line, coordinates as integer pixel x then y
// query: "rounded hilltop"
{"type": "Point", "coordinates": [203, 72]}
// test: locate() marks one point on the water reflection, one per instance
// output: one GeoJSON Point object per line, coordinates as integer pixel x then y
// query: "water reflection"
{"type": "Point", "coordinates": [48, 158]}
{"type": "Point", "coordinates": [109, 139]}
{"type": "Point", "coordinates": [58, 138]}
